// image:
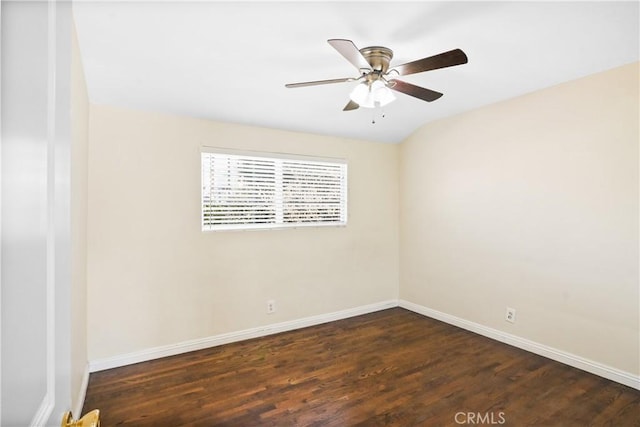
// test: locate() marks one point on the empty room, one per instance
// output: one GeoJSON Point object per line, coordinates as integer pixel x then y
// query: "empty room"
{"type": "Point", "coordinates": [320, 213]}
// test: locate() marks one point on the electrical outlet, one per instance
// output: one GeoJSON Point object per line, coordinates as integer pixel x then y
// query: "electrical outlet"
{"type": "Point", "coordinates": [271, 306]}
{"type": "Point", "coordinates": [510, 316]}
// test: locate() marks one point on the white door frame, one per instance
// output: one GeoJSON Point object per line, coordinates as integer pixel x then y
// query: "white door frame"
{"type": "Point", "coordinates": [36, 112]}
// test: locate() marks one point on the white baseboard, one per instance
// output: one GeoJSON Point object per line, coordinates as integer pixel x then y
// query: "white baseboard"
{"type": "Point", "coordinates": [76, 406]}
{"type": "Point", "coordinates": [587, 365]}
{"type": "Point", "coordinates": [573, 360]}
{"type": "Point", "coordinates": [216, 340]}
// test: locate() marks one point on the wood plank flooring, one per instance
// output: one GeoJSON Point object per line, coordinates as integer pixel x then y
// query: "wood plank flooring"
{"type": "Point", "coordinates": [392, 367]}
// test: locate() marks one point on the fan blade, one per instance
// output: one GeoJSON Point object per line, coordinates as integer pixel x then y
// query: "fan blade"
{"type": "Point", "coordinates": [320, 82]}
{"type": "Point", "coordinates": [351, 106]}
{"type": "Point", "coordinates": [351, 53]}
{"type": "Point", "coordinates": [415, 91]}
{"type": "Point", "coordinates": [443, 60]}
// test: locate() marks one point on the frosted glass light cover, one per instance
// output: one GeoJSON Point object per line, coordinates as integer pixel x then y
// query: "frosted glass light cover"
{"type": "Point", "coordinates": [361, 95]}
{"type": "Point", "coordinates": [369, 95]}
{"type": "Point", "coordinates": [383, 96]}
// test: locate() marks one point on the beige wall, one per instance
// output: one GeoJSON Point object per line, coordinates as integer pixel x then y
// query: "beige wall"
{"type": "Point", "coordinates": [155, 279]}
{"type": "Point", "coordinates": [79, 181]}
{"type": "Point", "coordinates": [532, 203]}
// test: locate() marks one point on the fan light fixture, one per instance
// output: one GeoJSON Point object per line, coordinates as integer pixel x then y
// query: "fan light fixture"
{"type": "Point", "coordinates": [370, 95]}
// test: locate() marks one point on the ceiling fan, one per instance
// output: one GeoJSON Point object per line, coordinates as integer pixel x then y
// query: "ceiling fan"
{"type": "Point", "coordinates": [377, 79]}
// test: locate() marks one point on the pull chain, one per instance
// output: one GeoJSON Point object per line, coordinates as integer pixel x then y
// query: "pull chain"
{"type": "Point", "coordinates": [373, 114]}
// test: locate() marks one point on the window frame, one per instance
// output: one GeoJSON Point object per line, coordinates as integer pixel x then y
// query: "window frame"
{"type": "Point", "coordinates": [281, 157]}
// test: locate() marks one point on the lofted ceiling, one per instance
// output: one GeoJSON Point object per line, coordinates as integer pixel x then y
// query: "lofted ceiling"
{"type": "Point", "coordinates": [229, 61]}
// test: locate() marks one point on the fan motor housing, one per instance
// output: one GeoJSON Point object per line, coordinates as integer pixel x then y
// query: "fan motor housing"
{"type": "Point", "coordinates": [378, 57]}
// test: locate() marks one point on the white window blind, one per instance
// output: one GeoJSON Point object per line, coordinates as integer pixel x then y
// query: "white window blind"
{"type": "Point", "coordinates": [254, 191]}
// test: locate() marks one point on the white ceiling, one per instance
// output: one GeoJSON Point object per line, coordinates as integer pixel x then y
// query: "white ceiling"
{"type": "Point", "coordinates": [229, 61]}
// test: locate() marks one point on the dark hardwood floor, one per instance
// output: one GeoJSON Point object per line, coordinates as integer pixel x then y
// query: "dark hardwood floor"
{"type": "Point", "coordinates": [392, 367]}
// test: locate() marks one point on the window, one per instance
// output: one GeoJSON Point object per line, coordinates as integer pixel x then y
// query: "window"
{"type": "Point", "coordinates": [261, 190]}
